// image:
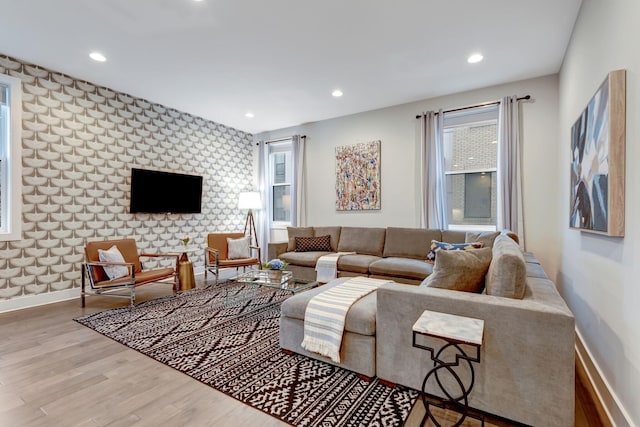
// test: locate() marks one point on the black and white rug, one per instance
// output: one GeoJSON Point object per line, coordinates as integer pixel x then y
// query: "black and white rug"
{"type": "Point", "coordinates": [233, 347]}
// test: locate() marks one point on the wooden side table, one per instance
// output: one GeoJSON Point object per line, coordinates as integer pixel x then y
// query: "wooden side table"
{"type": "Point", "coordinates": [455, 331]}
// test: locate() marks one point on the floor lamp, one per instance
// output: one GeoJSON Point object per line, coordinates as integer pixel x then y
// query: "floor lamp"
{"type": "Point", "coordinates": [250, 200]}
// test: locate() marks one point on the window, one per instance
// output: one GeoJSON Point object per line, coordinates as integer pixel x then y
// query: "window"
{"type": "Point", "coordinates": [470, 150]}
{"type": "Point", "coordinates": [281, 176]}
{"type": "Point", "coordinates": [10, 160]}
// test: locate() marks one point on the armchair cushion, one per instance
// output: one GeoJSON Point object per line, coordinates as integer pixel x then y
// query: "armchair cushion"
{"type": "Point", "coordinates": [113, 255]}
{"type": "Point", "coordinates": [238, 248]}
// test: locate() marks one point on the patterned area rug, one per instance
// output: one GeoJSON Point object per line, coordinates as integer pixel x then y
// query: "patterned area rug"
{"type": "Point", "coordinates": [226, 336]}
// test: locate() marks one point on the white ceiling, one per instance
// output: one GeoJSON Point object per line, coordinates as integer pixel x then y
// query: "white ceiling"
{"type": "Point", "coordinates": [281, 59]}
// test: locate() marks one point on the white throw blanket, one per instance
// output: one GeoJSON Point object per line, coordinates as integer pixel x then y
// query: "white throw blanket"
{"type": "Point", "coordinates": [327, 266]}
{"type": "Point", "coordinates": [326, 312]}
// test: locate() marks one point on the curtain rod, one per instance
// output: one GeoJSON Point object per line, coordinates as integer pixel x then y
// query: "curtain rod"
{"type": "Point", "coordinates": [269, 141]}
{"type": "Point", "coordinates": [485, 104]}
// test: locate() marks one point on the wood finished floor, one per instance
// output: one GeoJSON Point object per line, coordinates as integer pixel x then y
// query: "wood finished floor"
{"type": "Point", "coordinates": [56, 372]}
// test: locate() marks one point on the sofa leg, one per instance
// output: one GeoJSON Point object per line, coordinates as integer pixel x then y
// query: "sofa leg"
{"type": "Point", "coordinates": [364, 377]}
{"type": "Point", "coordinates": [386, 383]}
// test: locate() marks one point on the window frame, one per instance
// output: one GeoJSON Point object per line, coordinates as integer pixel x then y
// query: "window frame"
{"type": "Point", "coordinates": [11, 170]}
{"type": "Point", "coordinates": [285, 146]}
{"type": "Point", "coordinates": [461, 119]}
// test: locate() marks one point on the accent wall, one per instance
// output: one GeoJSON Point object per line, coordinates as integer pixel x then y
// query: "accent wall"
{"type": "Point", "coordinates": [79, 143]}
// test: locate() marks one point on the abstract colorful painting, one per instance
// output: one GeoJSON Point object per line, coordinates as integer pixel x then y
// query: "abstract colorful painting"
{"type": "Point", "coordinates": [597, 160]}
{"type": "Point", "coordinates": [358, 176]}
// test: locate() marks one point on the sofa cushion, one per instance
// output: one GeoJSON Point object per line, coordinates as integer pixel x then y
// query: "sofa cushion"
{"type": "Point", "coordinates": [361, 318]}
{"type": "Point", "coordinates": [409, 242]}
{"type": "Point", "coordinates": [447, 246]}
{"type": "Point", "coordinates": [486, 237]}
{"type": "Point", "coordinates": [507, 272]}
{"type": "Point", "coordinates": [356, 263]}
{"type": "Point", "coordinates": [304, 259]}
{"type": "Point", "coordinates": [310, 244]}
{"type": "Point", "coordinates": [401, 267]}
{"type": "Point", "coordinates": [453, 236]}
{"type": "Point", "coordinates": [294, 232]}
{"type": "Point", "coordinates": [334, 232]}
{"type": "Point", "coordinates": [460, 270]}
{"type": "Point", "coordinates": [536, 270]}
{"type": "Point", "coordinates": [362, 240]}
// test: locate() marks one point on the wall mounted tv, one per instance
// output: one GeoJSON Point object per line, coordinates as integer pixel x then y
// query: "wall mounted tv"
{"type": "Point", "coordinates": [165, 192]}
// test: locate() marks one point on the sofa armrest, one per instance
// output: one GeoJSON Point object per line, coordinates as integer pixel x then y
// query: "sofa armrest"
{"type": "Point", "coordinates": [274, 250]}
{"type": "Point", "coordinates": [527, 353]}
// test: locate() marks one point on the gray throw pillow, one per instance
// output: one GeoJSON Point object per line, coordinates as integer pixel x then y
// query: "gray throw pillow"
{"type": "Point", "coordinates": [460, 270]}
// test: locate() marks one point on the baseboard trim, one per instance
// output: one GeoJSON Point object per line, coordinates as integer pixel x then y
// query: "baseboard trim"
{"type": "Point", "coordinates": [604, 394]}
{"type": "Point", "coordinates": [29, 301]}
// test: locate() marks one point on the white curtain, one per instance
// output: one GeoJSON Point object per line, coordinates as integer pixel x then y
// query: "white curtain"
{"type": "Point", "coordinates": [263, 221]}
{"type": "Point", "coordinates": [509, 200]}
{"type": "Point", "coordinates": [434, 191]}
{"type": "Point", "coordinates": [298, 188]}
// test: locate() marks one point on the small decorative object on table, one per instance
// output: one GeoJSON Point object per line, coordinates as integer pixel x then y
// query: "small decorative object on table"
{"type": "Point", "coordinates": [455, 331]}
{"type": "Point", "coordinates": [275, 267]}
{"type": "Point", "coordinates": [185, 240]}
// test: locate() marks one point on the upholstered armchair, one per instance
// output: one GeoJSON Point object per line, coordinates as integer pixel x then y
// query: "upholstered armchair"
{"type": "Point", "coordinates": [216, 254]}
{"type": "Point", "coordinates": [109, 271]}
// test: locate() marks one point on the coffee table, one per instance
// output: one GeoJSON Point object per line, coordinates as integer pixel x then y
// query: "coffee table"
{"type": "Point", "coordinates": [285, 281]}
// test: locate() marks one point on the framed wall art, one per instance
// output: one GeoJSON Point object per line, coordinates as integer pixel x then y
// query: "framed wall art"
{"type": "Point", "coordinates": [597, 160]}
{"type": "Point", "coordinates": [358, 177]}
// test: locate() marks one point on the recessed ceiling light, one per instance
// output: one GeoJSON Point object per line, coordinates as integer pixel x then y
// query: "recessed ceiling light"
{"type": "Point", "coordinates": [470, 158]}
{"type": "Point", "coordinates": [97, 56]}
{"type": "Point", "coordinates": [476, 57]}
{"type": "Point", "coordinates": [494, 142]}
{"type": "Point", "coordinates": [248, 114]}
{"type": "Point", "coordinates": [337, 93]}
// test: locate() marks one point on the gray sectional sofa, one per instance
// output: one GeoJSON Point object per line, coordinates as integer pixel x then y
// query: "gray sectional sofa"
{"type": "Point", "coordinates": [385, 253]}
{"type": "Point", "coordinates": [526, 373]}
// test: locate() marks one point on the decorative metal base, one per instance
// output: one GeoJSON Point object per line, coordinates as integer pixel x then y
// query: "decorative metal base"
{"type": "Point", "coordinates": [458, 403]}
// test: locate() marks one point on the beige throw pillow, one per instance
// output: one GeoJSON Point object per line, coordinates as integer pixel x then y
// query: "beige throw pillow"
{"type": "Point", "coordinates": [238, 248]}
{"type": "Point", "coordinates": [460, 270]}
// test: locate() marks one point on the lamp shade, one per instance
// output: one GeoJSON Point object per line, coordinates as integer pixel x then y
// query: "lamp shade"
{"type": "Point", "coordinates": [249, 200]}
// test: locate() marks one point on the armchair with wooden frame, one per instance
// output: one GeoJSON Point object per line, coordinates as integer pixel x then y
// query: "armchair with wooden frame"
{"type": "Point", "coordinates": [216, 254]}
{"type": "Point", "coordinates": [93, 270]}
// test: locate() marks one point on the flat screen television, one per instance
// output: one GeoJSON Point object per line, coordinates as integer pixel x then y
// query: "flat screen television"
{"type": "Point", "coordinates": [165, 192]}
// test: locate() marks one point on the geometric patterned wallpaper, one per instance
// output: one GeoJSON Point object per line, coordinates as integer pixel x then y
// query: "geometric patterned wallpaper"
{"type": "Point", "coordinates": [79, 143]}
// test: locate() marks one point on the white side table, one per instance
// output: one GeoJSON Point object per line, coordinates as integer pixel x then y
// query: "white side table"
{"type": "Point", "coordinates": [455, 331]}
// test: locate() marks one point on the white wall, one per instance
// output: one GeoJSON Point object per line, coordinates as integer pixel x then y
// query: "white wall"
{"type": "Point", "coordinates": [599, 276]}
{"type": "Point", "coordinates": [399, 132]}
